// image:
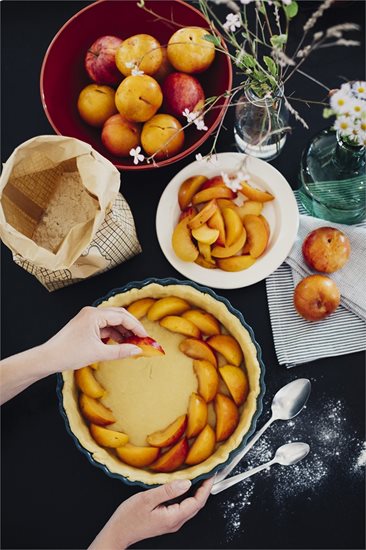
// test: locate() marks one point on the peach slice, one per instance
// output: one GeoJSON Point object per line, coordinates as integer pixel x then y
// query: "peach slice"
{"type": "Point", "coordinates": [204, 263]}
{"type": "Point", "coordinates": [205, 251]}
{"type": "Point", "coordinates": [171, 305]}
{"type": "Point", "coordinates": [203, 447]}
{"type": "Point", "coordinates": [182, 242]}
{"type": "Point", "coordinates": [216, 181]}
{"type": "Point", "coordinates": [227, 251]}
{"type": "Point", "coordinates": [87, 383]}
{"type": "Point", "coordinates": [108, 438]}
{"type": "Point", "coordinates": [257, 234]}
{"type": "Point", "coordinates": [264, 220]}
{"type": "Point", "coordinates": [226, 203]}
{"type": "Point", "coordinates": [203, 215]}
{"type": "Point", "coordinates": [233, 225]}
{"type": "Point", "coordinates": [254, 194]}
{"type": "Point", "coordinates": [170, 435]}
{"type": "Point", "coordinates": [189, 211]}
{"type": "Point", "coordinates": [236, 381]}
{"type": "Point", "coordinates": [203, 320]}
{"type": "Point", "coordinates": [175, 323]}
{"type": "Point", "coordinates": [94, 366]}
{"type": "Point", "coordinates": [213, 193]}
{"type": "Point", "coordinates": [95, 411]}
{"type": "Point", "coordinates": [189, 188]}
{"type": "Point", "coordinates": [249, 207]}
{"type": "Point", "coordinates": [227, 416]}
{"type": "Point", "coordinates": [228, 347]}
{"type": "Point", "coordinates": [197, 349]}
{"type": "Point", "coordinates": [205, 234]}
{"type": "Point", "coordinates": [140, 308]}
{"type": "Point", "coordinates": [217, 222]}
{"type": "Point", "coordinates": [172, 459]}
{"type": "Point", "coordinates": [197, 415]}
{"type": "Point", "coordinates": [208, 379]}
{"type": "Point", "coordinates": [236, 263]}
{"type": "Point", "coordinates": [140, 457]}
{"type": "Point", "coordinates": [149, 347]}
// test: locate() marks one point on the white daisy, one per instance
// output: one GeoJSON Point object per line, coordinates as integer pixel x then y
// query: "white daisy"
{"type": "Point", "coordinates": [136, 154]}
{"type": "Point", "coordinates": [360, 89]}
{"type": "Point", "coordinates": [200, 124]}
{"type": "Point", "coordinates": [346, 87]}
{"type": "Point", "coordinates": [344, 125]}
{"type": "Point", "coordinates": [357, 107]}
{"type": "Point", "coordinates": [340, 102]}
{"type": "Point", "coordinates": [232, 22]}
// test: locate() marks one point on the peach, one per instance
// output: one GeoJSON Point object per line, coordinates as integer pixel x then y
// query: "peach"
{"type": "Point", "coordinates": [326, 249]}
{"type": "Point", "coordinates": [139, 457]}
{"type": "Point", "coordinates": [197, 415]}
{"type": "Point", "coordinates": [228, 347]}
{"type": "Point", "coordinates": [108, 438]}
{"type": "Point", "coordinates": [249, 207]}
{"type": "Point", "coordinates": [197, 349]}
{"type": "Point", "coordinates": [94, 366]}
{"type": "Point", "coordinates": [257, 234]}
{"type": "Point", "coordinates": [170, 435]}
{"type": "Point", "coordinates": [227, 251]}
{"type": "Point", "coordinates": [316, 297]}
{"type": "Point", "coordinates": [206, 322]}
{"type": "Point", "coordinates": [215, 192]}
{"type": "Point", "coordinates": [119, 135]}
{"type": "Point", "coordinates": [236, 381]}
{"type": "Point", "coordinates": [203, 447]}
{"type": "Point", "coordinates": [188, 211]}
{"type": "Point", "coordinates": [96, 104]}
{"type": "Point", "coordinates": [149, 347]}
{"type": "Point", "coordinates": [255, 194]}
{"type": "Point", "coordinates": [203, 215]}
{"type": "Point", "coordinates": [208, 379]}
{"type": "Point", "coordinates": [140, 308]}
{"type": "Point", "coordinates": [95, 411]}
{"type": "Point", "coordinates": [165, 68]}
{"type": "Point", "coordinates": [226, 203]}
{"type": "Point", "coordinates": [142, 51]}
{"type": "Point", "coordinates": [189, 188]}
{"type": "Point", "coordinates": [205, 252]}
{"type": "Point", "coordinates": [217, 222]}
{"type": "Point", "coordinates": [227, 416]}
{"type": "Point", "coordinates": [205, 234]}
{"type": "Point", "coordinates": [138, 98]}
{"type": "Point", "coordinates": [171, 305]}
{"type": "Point", "coordinates": [172, 459]}
{"type": "Point", "coordinates": [236, 263]}
{"type": "Point", "coordinates": [87, 383]}
{"type": "Point", "coordinates": [162, 136]}
{"type": "Point", "coordinates": [182, 242]}
{"type": "Point", "coordinates": [233, 225]}
{"type": "Point", "coordinates": [175, 323]}
{"type": "Point", "coordinates": [216, 181]}
{"type": "Point", "coordinates": [189, 52]}
{"type": "Point", "coordinates": [200, 260]}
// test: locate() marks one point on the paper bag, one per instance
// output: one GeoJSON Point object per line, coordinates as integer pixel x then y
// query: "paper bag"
{"type": "Point", "coordinates": [103, 234]}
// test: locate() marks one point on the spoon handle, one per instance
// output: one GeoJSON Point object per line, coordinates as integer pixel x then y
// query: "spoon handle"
{"type": "Point", "coordinates": [226, 483]}
{"type": "Point", "coordinates": [226, 471]}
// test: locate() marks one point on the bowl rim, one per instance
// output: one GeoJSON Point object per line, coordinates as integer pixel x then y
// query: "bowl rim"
{"type": "Point", "coordinates": [165, 282]}
{"type": "Point", "coordinates": [157, 164]}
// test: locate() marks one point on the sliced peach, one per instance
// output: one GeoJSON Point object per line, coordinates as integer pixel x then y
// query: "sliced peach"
{"type": "Point", "coordinates": [189, 188]}
{"type": "Point", "coordinates": [172, 459]}
{"type": "Point", "coordinates": [203, 215]}
{"type": "Point", "coordinates": [170, 434]}
{"type": "Point", "coordinates": [87, 383]}
{"type": "Point", "coordinates": [216, 181]}
{"type": "Point", "coordinates": [95, 411]}
{"type": "Point", "coordinates": [227, 416]}
{"type": "Point", "coordinates": [236, 263]}
{"type": "Point", "coordinates": [217, 222]}
{"type": "Point", "coordinates": [203, 446]}
{"type": "Point", "coordinates": [94, 366]}
{"type": "Point", "coordinates": [227, 251]}
{"type": "Point", "coordinates": [246, 248]}
{"type": "Point", "coordinates": [213, 193]}
{"type": "Point", "coordinates": [182, 242]}
{"type": "Point", "coordinates": [225, 203]}
{"type": "Point", "coordinates": [208, 379]}
{"type": "Point", "coordinates": [205, 234]}
{"type": "Point", "coordinates": [171, 305]}
{"type": "Point", "coordinates": [189, 211]}
{"type": "Point", "coordinates": [236, 381]}
{"type": "Point", "coordinates": [255, 194]}
{"type": "Point", "coordinates": [205, 251]}
{"type": "Point", "coordinates": [197, 349]}
{"type": "Point", "coordinates": [204, 263]}
{"type": "Point", "coordinates": [197, 415]}
{"type": "Point", "coordinates": [140, 308]}
{"type": "Point", "coordinates": [249, 207]}
{"type": "Point", "coordinates": [175, 323]}
{"type": "Point", "coordinates": [258, 235]}
{"type": "Point", "coordinates": [108, 438]}
{"type": "Point", "coordinates": [228, 347]}
{"type": "Point", "coordinates": [149, 347]}
{"type": "Point", "coordinates": [203, 320]}
{"type": "Point", "coordinates": [264, 220]}
{"type": "Point", "coordinates": [233, 225]}
{"type": "Point", "coordinates": [139, 457]}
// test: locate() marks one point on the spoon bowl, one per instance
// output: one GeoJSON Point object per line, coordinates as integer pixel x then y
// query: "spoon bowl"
{"type": "Point", "coordinates": [291, 453]}
{"type": "Point", "coordinates": [291, 399]}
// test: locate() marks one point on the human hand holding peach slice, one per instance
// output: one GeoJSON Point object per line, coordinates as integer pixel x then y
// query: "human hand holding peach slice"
{"type": "Point", "coordinates": [108, 438]}
{"type": "Point", "coordinates": [169, 435]}
{"type": "Point", "coordinates": [95, 411]}
{"type": "Point", "coordinates": [172, 459]}
{"type": "Point", "coordinates": [228, 347]}
{"type": "Point", "coordinates": [182, 242]}
{"type": "Point", "coordinates": [227, 416]}
{"type": "Point", "coordinates": [208, 379]}
{"type": "Point", "coordinates": [140, 308]}
{"type": "Point", "coordinates": [149, 347]}
{"type": "Point", "coordinates": [87, 382]}
{"type": "Point", "coordinates": [178, 324]}
{"type": "Point", "coordinates": [255, 194]}
{"type": "Point", "coordinates": [171, 305]}
{"type": "Point", "coordinates": [236, 381]}
{"type": "Point", "coordinates": [197, 415]}
{"type": "Point", "coordinates": [197, 349]}
{"type": "Point", "coordinates": [203, 447]}
{"type": "Point", "coordinates": [189, 188]}
{"type": "Point", "coordinates": [257, 234]}
{"type": "Point", "coordinates": [139, 457]}
{"type": "Point", "coordinates": [206, 322]}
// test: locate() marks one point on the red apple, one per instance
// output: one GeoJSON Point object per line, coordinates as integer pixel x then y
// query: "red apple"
{"type": "Point", "coordinates": [182, 91]}
{"type": "Point", "coordinates": [326, 249]}
{"type": "Point", "coordinates": [100, 61]}
{"type": "Point", "coordinates": [316, 297]}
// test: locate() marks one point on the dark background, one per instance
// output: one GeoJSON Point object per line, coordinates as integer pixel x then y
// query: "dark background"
{"type": "Point", "coordinates": [51, 496]}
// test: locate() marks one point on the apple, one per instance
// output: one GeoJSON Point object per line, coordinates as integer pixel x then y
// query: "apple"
{"type": "Point", "coordinates": [119, 135]}
{"type": "Point", "coordinates": [142, 51]}
{"type": "Point", "coordinates": [100, 63]}
{"type": "Point", "coordinates": [316, 297]}
{"type": "Point", "coordinates": [162, 136]}
{"type": "Point", "coordinates": [182, 91]}
{"type": "Point", "coordinates": [326, 249]}
{"type": "Point", "coordinates": [96, 104]}
{"type": "Point", "coordinates": [138, 98]}
{"type": "Point", "coordinates": [189, 52]}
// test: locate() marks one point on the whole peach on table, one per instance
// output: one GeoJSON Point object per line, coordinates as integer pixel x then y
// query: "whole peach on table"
{"type": "Point", "coordinates": [96, 104]}
{"type": "Point", "coordinates": [189, 52]}
{"type": "Point", "coordinates": [100, 63]}
{"type": "Point", "coordinates": [163, 136]}
{"type": "Point", "coordinates": [138, 98]}
{"type": "Point", "coordinates": [182, 91]}
{"type": "Point", "coordinates": [316, 297]}
{"type": "Point", "coordinates": [326, 249]}
{"type": "Point", "coordinates": [119, 135]}
{"type": "Point", "coordinates": [142, 51]}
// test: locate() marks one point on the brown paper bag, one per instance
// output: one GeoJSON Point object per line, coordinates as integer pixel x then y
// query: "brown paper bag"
{"type": "Point", "coordinates": [103, 234]}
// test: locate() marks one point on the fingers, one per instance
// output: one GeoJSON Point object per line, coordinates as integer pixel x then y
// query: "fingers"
{"type": "Point", "coordinates": [159, 495]}
{"type": "Point", "coordinates": [190, 506]}
{"type": "Point", "coordinates": [118, 351]}
{"type": "Point", "coordinates": [119, 317]}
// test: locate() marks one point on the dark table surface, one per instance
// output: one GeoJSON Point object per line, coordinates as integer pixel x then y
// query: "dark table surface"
{"type": "Point", "coordinates": [51, 496]}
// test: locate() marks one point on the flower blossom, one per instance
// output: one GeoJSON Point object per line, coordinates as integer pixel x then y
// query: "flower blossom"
{"type": "Point", "coordinates": [232, 22]}
{"type": "Point", "coordinates": [359, 88]}
{"type": "Point", "coordinates": [190, 116]}
{"type": "Point", "coordinates": [199, 157]}
{"type": "Point", "coordinates": [136, 71]}
{"type": "Point", "coordinates": [136, 154]}
{"type": "Point", "coordinates": [200, 124]}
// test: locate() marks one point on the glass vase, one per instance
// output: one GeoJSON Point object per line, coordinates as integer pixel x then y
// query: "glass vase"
{"type": "Point", "coordinates": [260, 126]}
{"type": "Point", "coordinates": [332, 179]}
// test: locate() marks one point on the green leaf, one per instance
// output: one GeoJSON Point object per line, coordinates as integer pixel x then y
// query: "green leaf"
{"type": "Point", "coordinates": [278, 40]}
{"type": "Point", "coordinates": [327, 113]}
{"type": "Point", "coordinates": [248, 61]}
{"type": "Point", "coordinates": [291, 10]}
{"type": "Point", "coordinates": [213, 39]}
{"type": "Point", "coordinates": [271, 65]}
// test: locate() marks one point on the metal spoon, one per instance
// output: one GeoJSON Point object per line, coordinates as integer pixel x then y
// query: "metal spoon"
{"type": "Point", "coordinates": [287, 403]}
{"type": "Point", "coordinates": [287, 455]}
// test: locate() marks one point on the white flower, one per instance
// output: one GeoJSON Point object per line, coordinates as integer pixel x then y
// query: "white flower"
{"type": "Point", "coordinates": [130, 64]}
{"type": "Point", "coordinates": [200, 124]}
{"type": "Point", "coordinates": [136, 154]}
{"type": "Point", "coordinates": [340, 102]}
{"type": "Point", "coordinates": [360, 89]}
{"type": "Point", "coordinates": [232, 22]}
{"type": "Point", "coordinates": [246, 1]}
{"type": "Point", "coordinates": [199, 157]}
{"type": "Point", "coordinates": [344, 125]}
{"type": "Point", "coordinates": [231, 182]}
{"type": "Point", "coordinates": [190, 116]}
{"type": "Point", "coordinates": [286, 2]}
{"type": "Point", "coordinates": [346, 87]}
{"type": "Point", "coordinates": [136, 71]}
{"type": "Point", "coordinates": [226, 178]}
{"type": "Point", "coordinates": [357, 107]}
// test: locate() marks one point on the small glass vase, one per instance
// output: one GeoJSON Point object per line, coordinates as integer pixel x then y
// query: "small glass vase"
{"type": "Point", "coordinates": [333, 179]}
{"type": "Point", "coordinates": [260, 126]}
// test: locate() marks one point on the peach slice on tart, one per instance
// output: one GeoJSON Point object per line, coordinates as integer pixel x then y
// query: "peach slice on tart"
{"type": "Point", "coordinates": [205, 234]}
{"type": "Point", "coordinates": [108, 438]}
{"type": "Point", "coordinates": [227, 416]}
{"type": "Point", "coordinates": [257, 234]}
{"type": "Point", "coordinates": [236, 381]}
{"type": "Point", "coordinates": [202, 262]}
{"type": "Point", "coordinates": [228, 347]}
{"type": "Point", "coordinates": [172, 459]}
{"type": "Point", "coordinates": [182, 242]}
{"type": "Point", "coordinates": [203, 447]}
{"type": "Point", "coordinates": [217, 222]}
{"type": "Point", "coordinates": [189, 188]}
{"type": "Point", "coordinates": [87, 382]}
{"type": "Point", "coordinates": [197, 349]}
{"type": "Point", "coordinates": [94, 411]}
{"type": "Point", "coordinates": [254, 194]}
{"type": "Point", "coordinates": [228, 251]}
{"type": "Point", "coordinates": [140, 308]}
{"type": "Point", "coordinates": [208, 379]}
{"type": "Point", "coordinates": [203, 215]}
{"type": "Point", "coordinates": [178, 324]}
{"type": "Point", "coordinates": [169, 435]}
{"type": "Point", "coordinates": [233, 225]}
{"type": "Point", "coordinates": [249, 207]}
{"type": "Point", "coordinates": [206, 322]}
{"type": "Point", "coordinates": [188, 211]}
{"type": "Point", "coordinates": [216, 192]}
{"type": "Point", "coordinates": [149, 347]}
{"type": "Point", "coordinates": [236, 263]}
{"type": "Point", "coordinates": [139, 457]}
{"type": "Point", "coordinates": [170, 305]}
{"type": "Point", "coordinates": [197, 415]}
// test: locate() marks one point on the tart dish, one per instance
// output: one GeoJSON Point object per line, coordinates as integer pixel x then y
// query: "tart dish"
{"type": "Point", "coordinates": [183, 407]}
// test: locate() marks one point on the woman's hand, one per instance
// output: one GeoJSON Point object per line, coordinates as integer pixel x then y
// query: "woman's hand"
{"type": "Point", "coordinates": [144, 515]}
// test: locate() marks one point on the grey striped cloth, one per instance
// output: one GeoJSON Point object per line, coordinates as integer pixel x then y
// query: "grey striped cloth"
{"type": "Point", "coordinates": [298, 341]}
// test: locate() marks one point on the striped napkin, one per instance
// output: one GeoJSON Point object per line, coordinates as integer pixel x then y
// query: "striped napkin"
{"type": "Point", "coordinates": [299, 341]}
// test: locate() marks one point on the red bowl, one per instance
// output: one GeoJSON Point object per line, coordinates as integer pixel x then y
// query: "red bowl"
{"type": "Point", "coordinates": [63, 74]}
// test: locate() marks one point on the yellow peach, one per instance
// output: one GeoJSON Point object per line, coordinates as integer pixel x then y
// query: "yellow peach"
{"type": "Point", "coordinates": [108, 438]}
{"type": "Point", "coordinates": [197, 415]}
{"type": "Point", "coordinates": [139, 457]}
{"type": "Point", "coordinates": [178, 324]}
{"type": "Point", "coordinates": [171, 305]}
{"type": "Point", "coordinates": [228, 347]}
{"type": "Point", "coordinates": [87, 383]}
{"type": "Point", "coordinates": [162, 136]}
{"type": "Point", "coordinates": [189, 52]}
{"type": "Point", "coordinates": [96, 104]}
{"type": "Point", "coordinates": [203, 447]}
{"type": "Point", "coordinates": [138, 98]}
{"type": "Point", "coordinates": [140, 51]}
{"type": "Point", "coordinates": [227, 416]}
{"type": "Point", "coordinates": [236, 381]}
{"type": "Point", "coordinates": [119, 135]}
